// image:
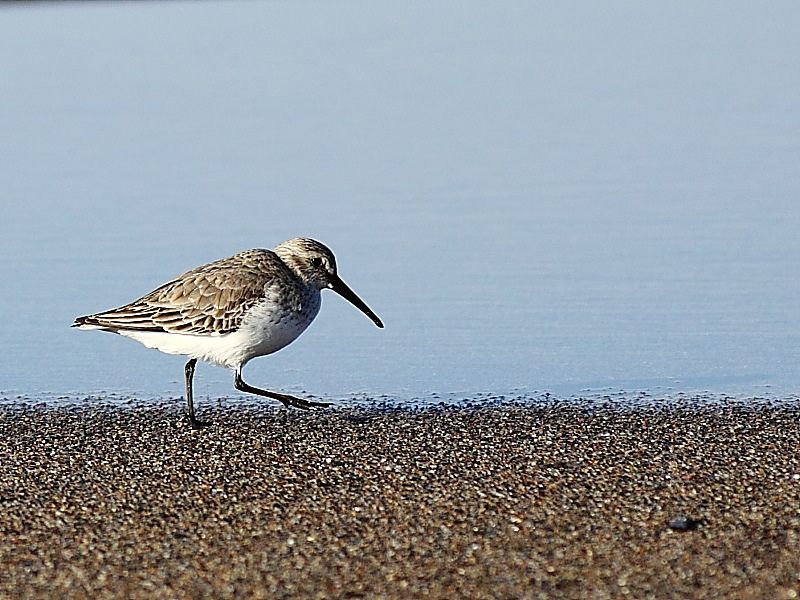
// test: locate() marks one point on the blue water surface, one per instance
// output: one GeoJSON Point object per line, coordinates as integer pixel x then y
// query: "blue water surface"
{"type": "Point", "coordinates": [536, 197]}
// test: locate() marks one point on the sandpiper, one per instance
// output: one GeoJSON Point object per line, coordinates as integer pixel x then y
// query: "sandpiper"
{"type": "Point", "coordinates": [232, 310]}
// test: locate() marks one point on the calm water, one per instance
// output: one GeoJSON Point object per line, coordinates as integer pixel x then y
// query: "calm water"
{"type": "Point", "coordinates": [533, 197]}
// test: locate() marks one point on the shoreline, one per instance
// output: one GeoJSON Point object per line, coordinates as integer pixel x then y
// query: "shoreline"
{"type": "Point", "coordinates": [509, 500]}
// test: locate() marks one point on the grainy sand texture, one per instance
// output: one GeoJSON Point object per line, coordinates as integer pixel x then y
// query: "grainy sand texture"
{"type": "Point", "coordinates": [684, 499]}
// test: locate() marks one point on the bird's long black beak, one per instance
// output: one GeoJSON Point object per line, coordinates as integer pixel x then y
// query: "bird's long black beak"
{"type": "Point", "coordinates": [340, 287]}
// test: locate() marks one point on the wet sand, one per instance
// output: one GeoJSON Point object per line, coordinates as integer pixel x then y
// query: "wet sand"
{"type": "Point", "coordinates": [680, 500]}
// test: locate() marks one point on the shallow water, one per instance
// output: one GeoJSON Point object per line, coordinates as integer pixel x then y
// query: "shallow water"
{"type": "Point", "coordinates": [532, 198]}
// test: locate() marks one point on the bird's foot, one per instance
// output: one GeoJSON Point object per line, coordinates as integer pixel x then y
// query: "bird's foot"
{"type": "Point", "coordinates": [196, 424]}
{"type": "Point", "coordinates": [300, 403]}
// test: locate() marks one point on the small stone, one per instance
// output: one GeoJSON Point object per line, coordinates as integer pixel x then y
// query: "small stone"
{"type": "Point", "coordinates": [684, 523]}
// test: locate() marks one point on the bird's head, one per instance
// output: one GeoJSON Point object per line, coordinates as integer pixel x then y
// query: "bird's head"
{"type": "Point", "coordinates": [315, 265]}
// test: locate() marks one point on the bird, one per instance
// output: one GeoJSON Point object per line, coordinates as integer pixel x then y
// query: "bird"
{"type": "Point", "coordinates": [233, 310]}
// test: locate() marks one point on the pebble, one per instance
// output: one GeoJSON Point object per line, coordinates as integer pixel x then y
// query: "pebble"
{"type": "Point", "coordinates": [684, 523]}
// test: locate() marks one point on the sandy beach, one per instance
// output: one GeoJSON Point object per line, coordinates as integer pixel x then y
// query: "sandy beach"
{"type": "Point", "coordinates": [683, 499]}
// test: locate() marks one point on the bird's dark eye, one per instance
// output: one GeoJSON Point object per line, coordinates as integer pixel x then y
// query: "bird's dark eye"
{"type": "Point", "coordinates": [316, 261]}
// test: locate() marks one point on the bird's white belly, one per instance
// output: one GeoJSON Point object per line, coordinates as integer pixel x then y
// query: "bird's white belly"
{"type": "Point", "coordinates": [266, 329]}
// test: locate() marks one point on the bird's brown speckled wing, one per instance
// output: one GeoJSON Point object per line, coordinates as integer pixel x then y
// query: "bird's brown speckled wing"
{"type": "Point", "coordinates": [211, 299]}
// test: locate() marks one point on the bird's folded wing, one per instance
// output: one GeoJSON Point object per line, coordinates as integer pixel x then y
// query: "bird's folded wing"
{"type": "Point", "coordinates": [212, 299]}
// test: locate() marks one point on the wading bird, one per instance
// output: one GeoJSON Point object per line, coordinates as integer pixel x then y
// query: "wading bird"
{"type": "Point", "coordinates": [232, 310]}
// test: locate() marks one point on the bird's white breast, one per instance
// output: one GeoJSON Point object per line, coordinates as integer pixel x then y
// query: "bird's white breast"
{"type": "Point", "coordinates": [272, 325]}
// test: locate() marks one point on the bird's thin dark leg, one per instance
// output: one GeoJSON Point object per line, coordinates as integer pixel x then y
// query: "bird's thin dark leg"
{"type": "Point", "coordinates": [189, 369]}
{"type": "Point", "coordinates": [287, 400]}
